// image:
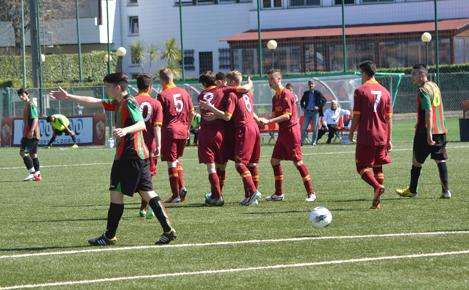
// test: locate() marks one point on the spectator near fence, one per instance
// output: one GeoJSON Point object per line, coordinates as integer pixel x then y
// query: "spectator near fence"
{"type": "Point", "coordinates": [312, 103]}
{"type": "Point", "coordinates": [331, 121]}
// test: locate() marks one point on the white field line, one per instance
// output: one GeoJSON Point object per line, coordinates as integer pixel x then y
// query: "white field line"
{"type": "Point", "coordinates": [230, 243]}
{"type": "Point", "coordinates": [239, 270]}
{"type": "Point", "coordinates": [195, 159]}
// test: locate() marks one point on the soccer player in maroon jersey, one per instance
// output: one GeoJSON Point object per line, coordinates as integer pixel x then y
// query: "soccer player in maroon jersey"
{"type": "Point", "coordinates": [288, 145]}
{"type": "Point", "coordinates": [130, 172]}
{"type": "Point", "coordinates": [372, 118]}
{"type": "Point", "coordinates": [240, 108]}
{"type": "Point", "coordinates": [178, 112]}
{"type": "Point", "coordinates": [430, 133]}
{"type": "Point", "coordinates": [152, 113]}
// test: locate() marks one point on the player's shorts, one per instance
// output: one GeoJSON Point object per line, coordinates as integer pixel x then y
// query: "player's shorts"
{"type": "Point", "coordinates": [367, 156]}
{"type": "Point", "coordinates": [288, 145]}
{"type": "Point", "coordinates": [422, 150]}
{"type": "Point", "coordinates": [29, 145]}
{"type": "Point", "coordinates": [130, 175]}
{"type": "Point", "coordinates": [59, 133]}
{"type": "Point", "coordinates": [228, 145]}
{"type": "Point", "coordinates": [172, 149]}
{"type": "Point", "coordinates": [210, 146]}
{"type": "Point", "coordinates": [247, 148]}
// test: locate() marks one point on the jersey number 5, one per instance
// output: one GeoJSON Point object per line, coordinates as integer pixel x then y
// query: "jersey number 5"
{"type": "Point", "coordinates": [377, 95]}
{"type": "Point", "coordinates": [178, 104]}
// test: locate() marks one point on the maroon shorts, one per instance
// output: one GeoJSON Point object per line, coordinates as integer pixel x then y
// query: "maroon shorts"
{"type": "Point", "coordinates": [247, 148]}
{"type": "Point", "coordinates": [288, 145]}
{"type": "Point", "coordinates": [367, 156]}
{"type": "Point", "coordinates": [210, 146]}
{"type": "Point", "coordinates": [228, 144]}
{"type": "Point", "coordinates": [172, 149]}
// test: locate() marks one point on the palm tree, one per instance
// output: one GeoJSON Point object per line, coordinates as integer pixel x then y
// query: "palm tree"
{"type": "Point", "coordinates": [172, 56]}
{"type": "Point", "coordinates": [137, 54]}
{"type": "Point", "coordinates": [153, 54]}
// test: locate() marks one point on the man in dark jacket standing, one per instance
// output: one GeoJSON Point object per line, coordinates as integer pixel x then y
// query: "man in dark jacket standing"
{"type": "Point", "coordinates": [312, 103]}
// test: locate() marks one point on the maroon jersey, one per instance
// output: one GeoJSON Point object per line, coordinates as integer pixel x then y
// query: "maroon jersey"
{"type": "Point", "coordinates": [241, 107]}
{"type": "Point", "coordinates": [373, 104]}
{"type": "Point", "coordinates": [177, 107]}
{"type": "Point", "coordinates": [152, 113]}
{"type": "Point", "coordinates": [283, 103]}
{"type": "Point", "coordinates": [214, 96]}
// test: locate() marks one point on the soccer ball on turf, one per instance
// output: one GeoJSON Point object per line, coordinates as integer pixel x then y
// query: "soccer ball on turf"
{"type": "Point", "coordinates": [320, 217]}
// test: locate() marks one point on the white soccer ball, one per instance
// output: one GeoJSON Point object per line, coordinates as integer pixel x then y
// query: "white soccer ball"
{"type": "Point", "coordinates": [320, 217]}
{"type": "Point", "coordinates": [272, 44]}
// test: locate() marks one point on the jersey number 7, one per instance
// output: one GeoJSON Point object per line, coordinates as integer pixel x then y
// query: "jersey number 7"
{"type": "Point", "coordinates": [377, 95]}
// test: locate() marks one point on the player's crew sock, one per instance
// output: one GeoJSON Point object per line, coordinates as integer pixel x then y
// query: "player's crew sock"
{"type": "Point", "coordinates": [278, 174]}
{"type": "Point", "coordinates": [221, 176]}
{"type": "Point", "coordinates": [414, 178]}
{"type": "Point", "coordinates": [143, 204]}
{"type": "Point", "coordinates": [36, 164]}
{"type": "Point", "coordinates": [369, 178]}
{"type": "Point", "coordinates": [379, 175]}
{"type": "Point", "coordinates": [443, 171]}
{"type": "Point", "coordinates": [306, 178]}
{"type": "Point", "coordinates": [248, 183]}
{"type": "Point", "coordinates": [180, 172]}
{"type": "Point", "coordinates": [74, 139]}
{"type": "Point", "coordinates": [160, 214]}
{"type": "Point", "coordinates": [114, 215]}
{"type": "Point", "coordinates": [174, 180]}
{"type": "Point", "coordinates": [255, 175]}
{"type": "Point", "coordinates": [28, 162]}
{"type": "Point", "coordinates": [215, 185]}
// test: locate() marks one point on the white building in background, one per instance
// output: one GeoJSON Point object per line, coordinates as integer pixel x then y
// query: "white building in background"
{"type": "Point", "coordinates": [308, 32]}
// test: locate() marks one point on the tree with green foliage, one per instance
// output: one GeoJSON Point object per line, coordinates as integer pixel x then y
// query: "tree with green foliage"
{"type": "Point", "coordinates": [153, 55]}
{"type": "Point", "coordinates": [137, 53]}
{"type": "Point", "coordinates": [172, 55]}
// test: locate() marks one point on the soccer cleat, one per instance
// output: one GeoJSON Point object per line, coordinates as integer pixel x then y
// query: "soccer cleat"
{"type": "Point", "coordinates": [446, 195]}
{"type": "Point", "coordinates": [173, 199]}
{"type": "Point", "coordinates": [149, 215]}
{"type": "Point", "coordinates": [102, 241]}
{"type": "Point", "coordinates": [29, 177]}
{"type": "Point", "coordinates": [405, 192]}
{"type": "Point", "coordinates": [275, 197]}
{"type": "Point", "coordinates": [209, 201]}
{"type": "Point", "coordinates": [166, 238]}
{"type": "Point", "coordinates": [377, 199]}
{"type": "Point", "coordinates": [311, 197]}
{"type": "Point", "coordinates": [183, 194]}
{"type": "Point", "coordinates": [37, 176]}
{"type": "Point", "coordinates": [75, 146]}
{"type": "Point", "coordinates": [252, 200]}
{"type": "Point", "coordinates": [142, 213]}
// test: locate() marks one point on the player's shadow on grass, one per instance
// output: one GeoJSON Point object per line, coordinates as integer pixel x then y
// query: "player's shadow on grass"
{"type": "Point", "coordinates": [76, 220]}
{"type": "Point", "coordinates": [195, 205]}
{"type": "Point", "coordinates": [11, 181]}
{"type": "Point", "coordinates": [30, 249]}
{"type": "Point", "coordinates": [369, 199]}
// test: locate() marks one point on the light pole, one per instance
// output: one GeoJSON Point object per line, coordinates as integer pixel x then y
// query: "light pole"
{"type": "Point", "coordinates": [426, 38]}
{"type": "Point", "coordinates": [80, 60]}
{"type": "Point", "coordinates": [272, 46]}
{"type": "Point", "coordinates": [120, 52]}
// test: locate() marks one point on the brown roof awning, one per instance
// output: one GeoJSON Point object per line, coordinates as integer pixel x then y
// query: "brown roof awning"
{"type": "Point", "coordinates": [443, 25]}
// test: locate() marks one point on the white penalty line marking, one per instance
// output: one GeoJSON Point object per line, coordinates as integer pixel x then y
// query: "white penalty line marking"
{"type": "Point", "coordinates": [230, 243]}
{"type": "Point", "coordinates": [192, 159]}
{"type": "Point", "coordinates": [238, 270]}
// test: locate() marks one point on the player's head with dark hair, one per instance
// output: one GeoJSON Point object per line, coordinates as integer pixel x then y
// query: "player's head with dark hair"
{"type": "Point", "coordinates": [23, 94]}
{"type": "Point", "coordinates": [144, 82]}
{"type": "Point", "coordinates": [289, 86]}
{"type": "Point", "coordinates": [116, 84]}
{"type": "Point", "coordinates": [419, 74]}
{"type": "Point", "coordinates": [220, 79]}
{"type": "Point", "coordinates": [50, 118]}
{"type": "Point", "coordinates": [207, 79]}
{"type": "Point", "coordinates": [234, 78]}
{"type": "Point", "coordinates": [166, 76]}
{"type": "Point", "coordinates": [367, 69]}
{"type": "Point", "coordinates": [275, 78]}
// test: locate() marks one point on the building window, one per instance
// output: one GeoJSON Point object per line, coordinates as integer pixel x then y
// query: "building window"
{"type": "Point", "coordinates": [132, 2]}
{"type": "Point", "coordinates": [205, 2]}
{"type": "Point", "coordinates": [302, 3]}
{"type": "Point", "coordinates": [346, 2]}
{"type": "Point", "coordinates": [377, 1]}
{"type": "Point", "coordinates": [133, 25]}
{"type": "Point", "coordinates": [189, 60]}
{"type": "Point", "coordinates": [224, 58]}
{"type": "Point", "coordinates": [271, 4]}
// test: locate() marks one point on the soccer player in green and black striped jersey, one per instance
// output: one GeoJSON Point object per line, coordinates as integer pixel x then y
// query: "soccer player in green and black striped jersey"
{"type": "Point", "coordinates": [430, 133]}
{"type": "Point", "coordinates": [130, 171]}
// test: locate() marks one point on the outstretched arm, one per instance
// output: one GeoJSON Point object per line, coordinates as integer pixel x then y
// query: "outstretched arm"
{"type": "Point", "coordinates": [63, 95]}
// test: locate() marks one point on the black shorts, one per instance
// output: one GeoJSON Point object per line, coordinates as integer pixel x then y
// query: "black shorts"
{"type": "Point", "coordinates": [421, 148]}
{"type": "Point", "coordinates": [29, 145]}
{"type": "Point", "coordinates": [59, 133]}
{"type": "Point", "coordinates": [130, 175]}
